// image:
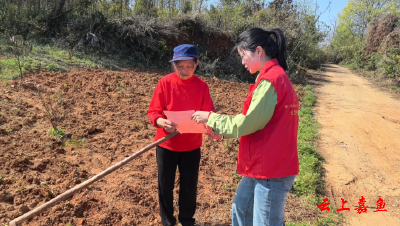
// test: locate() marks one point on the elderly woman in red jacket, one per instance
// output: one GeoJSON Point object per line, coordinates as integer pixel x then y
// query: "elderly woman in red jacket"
{"type": "Point", "coordinates": [267, 127]}
{"type": "Point", "coordinates": [179, 91]}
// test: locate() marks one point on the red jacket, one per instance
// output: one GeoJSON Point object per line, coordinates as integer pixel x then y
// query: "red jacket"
{"type": "Point", "coordinates": [272, 152]}
{"type": "Point", "coordinates": [174, 94]}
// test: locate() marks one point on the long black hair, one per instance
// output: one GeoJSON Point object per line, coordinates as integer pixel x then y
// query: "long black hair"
{"type": "Point", "coordinates": [254, 37]}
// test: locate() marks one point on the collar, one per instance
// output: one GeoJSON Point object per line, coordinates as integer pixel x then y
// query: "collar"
{"type": "Point", "coordinates": [268, 65]}
{"type": "Point", "coordinates": [187, 81]}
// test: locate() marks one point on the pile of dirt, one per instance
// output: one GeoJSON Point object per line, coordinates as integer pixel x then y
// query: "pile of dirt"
{"type": "Point", "coordinates": [105, 121]}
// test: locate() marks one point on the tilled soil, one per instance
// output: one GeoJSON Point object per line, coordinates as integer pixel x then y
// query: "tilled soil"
{"type": "Point", "coordinates": [105, 120]}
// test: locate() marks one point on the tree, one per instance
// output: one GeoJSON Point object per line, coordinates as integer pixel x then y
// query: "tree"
{"type": "Point", "coordinates": [57, 9]}
{"type": "Point", "coordinates": [353, 21]}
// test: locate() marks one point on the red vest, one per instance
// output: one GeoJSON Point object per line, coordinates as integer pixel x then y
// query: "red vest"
{"type": "Point", "coordinates": [272, 152]}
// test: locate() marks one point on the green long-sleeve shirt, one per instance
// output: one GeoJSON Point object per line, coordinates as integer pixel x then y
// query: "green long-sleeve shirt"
{"type": "Point", "coordinates": [260, 111]}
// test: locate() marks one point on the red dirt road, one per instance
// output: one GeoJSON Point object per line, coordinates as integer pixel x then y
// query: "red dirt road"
{"type": "Point", "coordinates": [360, 141]}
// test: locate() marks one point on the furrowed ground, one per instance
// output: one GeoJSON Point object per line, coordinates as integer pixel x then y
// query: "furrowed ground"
{"type": "Point", "coordinates": [105, 121]}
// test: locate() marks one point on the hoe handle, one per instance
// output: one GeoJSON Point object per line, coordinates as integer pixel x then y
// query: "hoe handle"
{"type": "Point", "coordinates": [85, 184]}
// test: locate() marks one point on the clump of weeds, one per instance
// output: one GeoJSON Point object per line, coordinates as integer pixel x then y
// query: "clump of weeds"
{"type": "Point", "coordinates": [75, 142]}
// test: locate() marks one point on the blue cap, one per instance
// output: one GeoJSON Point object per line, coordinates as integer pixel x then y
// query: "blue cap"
{"type": "Point", "coordinates": [185, 52]}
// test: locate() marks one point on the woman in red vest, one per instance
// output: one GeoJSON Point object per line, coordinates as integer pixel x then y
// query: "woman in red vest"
{"type": "Point", "coordinates": [267, 127]}
{"type": "Point", "coordinates": [179, 91]}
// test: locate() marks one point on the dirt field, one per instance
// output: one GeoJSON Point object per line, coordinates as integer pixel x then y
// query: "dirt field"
{"type": "Point", "coordinates": [107, 112]}
{"type": "Point", "coordinates": [360, 141]}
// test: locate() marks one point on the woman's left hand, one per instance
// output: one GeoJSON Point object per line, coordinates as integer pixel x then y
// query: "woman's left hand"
{"type": "Point", "coordinates": [200, 116]}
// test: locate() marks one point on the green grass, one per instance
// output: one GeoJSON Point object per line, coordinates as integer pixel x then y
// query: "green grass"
{"type": "Point", "coordinates": [51, 58]}
{"type": "Point", "coordinates": [309, 180]}
{"type": "Point", "coordinates": [297, 224]}
{"type": "Point", "coordinates": [395, 88]}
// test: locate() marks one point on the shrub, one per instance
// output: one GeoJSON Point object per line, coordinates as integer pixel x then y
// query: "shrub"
{"type": "Point", "coordinates": [390, 63]}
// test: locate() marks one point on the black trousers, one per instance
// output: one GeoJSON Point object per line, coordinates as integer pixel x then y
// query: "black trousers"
{"type": "Point", "coordinates": [188, 163]}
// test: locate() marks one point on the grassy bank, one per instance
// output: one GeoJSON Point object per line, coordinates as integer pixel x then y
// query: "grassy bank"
{"type": "Point", "coordinates": [46, 58]}
{"type": "Point", "coordinates": [310, 184]}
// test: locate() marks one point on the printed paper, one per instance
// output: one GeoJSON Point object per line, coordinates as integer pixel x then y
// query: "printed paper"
{"type": "Point", "coordinates": [185, 124]}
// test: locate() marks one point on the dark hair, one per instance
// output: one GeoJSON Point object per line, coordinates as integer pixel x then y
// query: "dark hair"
{"type": "Point", "coordinates": [254, 37]}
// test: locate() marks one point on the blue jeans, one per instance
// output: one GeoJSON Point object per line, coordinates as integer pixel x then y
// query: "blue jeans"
{"type": "Point", "coordinates": [261, 201]}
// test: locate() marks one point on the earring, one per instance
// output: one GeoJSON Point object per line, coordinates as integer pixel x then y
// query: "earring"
{"type": "Point", "coordinates": [259, 57]}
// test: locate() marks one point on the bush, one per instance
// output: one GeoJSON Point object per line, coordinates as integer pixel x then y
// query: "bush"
{"type": "Point", "coordinates": [55, 68]}
{"type": "Point", "coordinates": [390, 63]}
{"type": "Point", "coordinates": [146, 40]}
{"type": "Point", "coordinates": [372, 62]}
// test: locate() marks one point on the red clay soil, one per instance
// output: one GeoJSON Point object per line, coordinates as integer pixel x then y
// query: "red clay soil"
{"type": "Point", "coordinates": [107, 112]}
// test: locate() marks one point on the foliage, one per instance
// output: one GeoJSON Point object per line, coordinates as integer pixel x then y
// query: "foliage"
{"type": "Point", "coordinates": [55, 112]}
{"type": "Point", "coordinates": [146, 38]}
{"type": "Point", "coordinates": [390, 63]}
{"type": "Point", "coordinates": [349, 35]}
{"type": "Point", "coordinates": [59, 133]}
{"type": "Point", "coordinates": [380, 51]}
{"type": "Point", "coordinates": [309, 178]}
{"type": "Point", "coordinates": [75, 142]}
{"type": "Point", "coordinates": [50, 58]}
{"type": "Point", "coordinates": [381, 34]}
{"type": "Point", "coordinates": [19, 49]}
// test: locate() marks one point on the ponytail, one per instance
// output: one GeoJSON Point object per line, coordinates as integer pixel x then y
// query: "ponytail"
{"type": "Point", "coordinates": [281, 54]}
{"type": "Point", "coordinates": [254, 37]}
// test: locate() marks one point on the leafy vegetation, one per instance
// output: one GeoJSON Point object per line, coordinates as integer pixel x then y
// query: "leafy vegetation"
{"type": "Point", "coordinates": [366, 38]}
{"type": "Point", "coordinates": [309, 178]}
{"type": "Point", "coordinates": [75, 142]}
{"type": "Point", "coordinates": [59, 133]}
{"type": "Point", "coordinates": [142, 34]}
{"type": "Point", "coordinates": [309, 182]}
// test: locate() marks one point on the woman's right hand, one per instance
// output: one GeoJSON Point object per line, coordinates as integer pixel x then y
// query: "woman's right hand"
{"type": "Point", "coordinates": [166, 124]}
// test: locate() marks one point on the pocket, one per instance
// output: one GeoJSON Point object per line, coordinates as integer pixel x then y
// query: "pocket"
{"type": "Point", "coordinates": [283, 183]}
{"type": "Point", "coordinates": [287, 182]}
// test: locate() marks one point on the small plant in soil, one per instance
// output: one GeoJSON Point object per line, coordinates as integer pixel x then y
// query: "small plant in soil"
{"type": "Point", "coordinates": [236, 177]}
{"type": "Point", "coordinates": [1, 176]}
{"type": "Point", "coordinates": [58, 95]}
{"type": "Point", "coordinates": [226, 144]}
{"type": "Point", "coordinates": [8, 130]}
{"type": "Point", "coordinates": [59, 133]}
{"type": "Point", "coordinates": [20, 50]}
{"type": "Point", "coordinates": [55, 112]}
{"type": "Point", "coordinates": [75, 142]}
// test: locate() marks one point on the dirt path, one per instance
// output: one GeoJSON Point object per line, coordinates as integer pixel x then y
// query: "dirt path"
{"type": "Point", "coordinates": [360, 141]}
